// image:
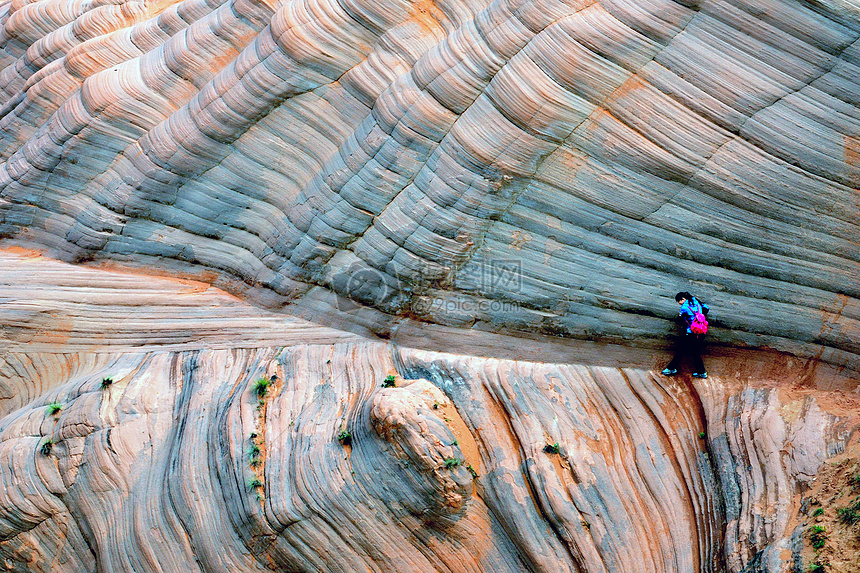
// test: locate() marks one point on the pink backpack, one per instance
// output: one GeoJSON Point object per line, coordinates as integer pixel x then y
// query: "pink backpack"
{"type": "Point", "coordinates": [700, 323]}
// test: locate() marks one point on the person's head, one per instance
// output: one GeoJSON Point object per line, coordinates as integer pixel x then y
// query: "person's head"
{"type": "Point", "coordinates": [683, 297]}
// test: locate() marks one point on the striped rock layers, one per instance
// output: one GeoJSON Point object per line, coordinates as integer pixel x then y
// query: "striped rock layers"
{"type": "Point", "coordinates": [180, 464]}
{"type": "Point", "coordinates": [204, 435]}
{"type": "Point", "coordinates": [554, 167]}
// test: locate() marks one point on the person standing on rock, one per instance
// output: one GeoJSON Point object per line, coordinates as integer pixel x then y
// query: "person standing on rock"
{"type": "Point", "coordinates": [693, 314]}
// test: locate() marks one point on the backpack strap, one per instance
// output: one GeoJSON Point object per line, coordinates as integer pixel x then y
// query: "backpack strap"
{"type": "Point", "coordinates": [703, 308]}
{"type": "Point", "coordinates": [698, 305]}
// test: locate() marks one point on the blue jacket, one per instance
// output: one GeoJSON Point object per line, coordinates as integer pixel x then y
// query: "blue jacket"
{"type": "Point", "coordinates": [689, 310]}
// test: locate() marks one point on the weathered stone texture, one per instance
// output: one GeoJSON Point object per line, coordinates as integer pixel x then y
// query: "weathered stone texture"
{"type": "Point", "coordinates": [155, 472]}
{"type": "Point", "coordinates": [532, 168]}
{"type": "Point", "coordinates": [393, 152]}
{"type": "Point", "coordinates": [179, 464]}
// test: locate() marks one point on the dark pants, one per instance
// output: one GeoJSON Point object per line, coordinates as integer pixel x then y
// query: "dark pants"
{"type": "Point", "coordinates": [689, 345]}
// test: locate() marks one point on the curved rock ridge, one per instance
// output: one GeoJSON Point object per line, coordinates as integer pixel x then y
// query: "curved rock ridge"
{"type": "Point", "coordinates": [555, 167]}
{"type": "Point", "coordinates": [182, 464]}
{"type": "Point", "coordinates": [84, 314]}
{"type": "Point", "coordinates": [47, 305]}
{"type": "Point", "coordinates": [173, 446]}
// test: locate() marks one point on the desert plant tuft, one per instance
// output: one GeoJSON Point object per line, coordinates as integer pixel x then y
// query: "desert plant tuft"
{"type": "Point", "coordinates": [255, 451]}
{"type": "Point", "coordinates": [817, 567]}
{"type": "Point", "coordinates": [344, 437]}
{"type": "Point", "coordinates": [106, 381]}
{"type": "Point", "coordinates": [551, 448]}
{"type": "Point", "coordinates": [817, 512]}
{"type": "Point", "coordinates": [451, 463]}
{"type": "Point", "coordinates": [388, 382]}
{"type": "Point", "coordinates": [701, 435]}
{"type": "Point", "coordinates": [261, 387]}
{"type": "Point", "coordinates": [255, 483]}
{"type": "Point", "coordinates": [817, 536]}
{"type": "Point", "coordinates": [54, 407]}
{"type": "Point", "coordinates": [850, 514]}
{"type": "Point", "coordinates": [472, 471]}
{"type": "Point", "coordinates": [47, 446]}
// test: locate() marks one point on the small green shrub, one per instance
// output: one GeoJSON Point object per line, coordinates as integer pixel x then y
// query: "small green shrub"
{"type": "Point", "coordinates": [388, 382]}
{"type": "Point", "coordinates": [436, 405]}
{"type": "Point", "coordinates": [817, 536]}
{"type": "Point", "coordinates": [850, 514]}
{"type": "Point", "coordinates": [255, 483]}
{"type": "Point", "coordinates": [261, 387]}
{"type": "Point", "coordinates": [47, 446]}
{"type": "Point", "coordinates": [817, 512]}
{"type": "Point", "coordinates": [551, 448]}
{"type": "Point", "coordinates": [451, 463]}
{"type": "Point", "coordinates": [701, 435]}
{"type": "Point", "coordinates": [472, 471]}
{"type": "Point", "coordinates": [818, 567]}
{"type": "Point", "coordinates": [255, 451]}
{"type": "Point", "coordinates": [54, 408]}
{"type": "Point", "coordinates": [344, 437]}
{"type": "Point", "coordinates": [106, 381]}
{"type": "Point", "coordinates": [455, 443]}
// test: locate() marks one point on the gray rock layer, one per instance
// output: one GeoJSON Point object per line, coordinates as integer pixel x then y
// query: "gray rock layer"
{"type": "Point", "coordinates": [167, 454]}
{"type": "Point", "coordinates": [556, 167]}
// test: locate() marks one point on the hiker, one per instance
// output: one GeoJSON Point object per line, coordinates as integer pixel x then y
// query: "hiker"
{"type": "Point", "coordinates": [693, 313]}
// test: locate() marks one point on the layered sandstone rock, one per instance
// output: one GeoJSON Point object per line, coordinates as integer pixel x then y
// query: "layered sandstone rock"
{"type": "Point", "coordinates": [579, 159]}
{"type": "Point", "coordinates": [500, 189]}
{"type": "Point", "coordinates": [181, 464]}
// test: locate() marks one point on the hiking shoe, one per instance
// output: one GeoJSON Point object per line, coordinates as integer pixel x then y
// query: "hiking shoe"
{"type": "Point", "coordinates": [702, 375]}
{"type": "Point", "coordinates": [669, 371]}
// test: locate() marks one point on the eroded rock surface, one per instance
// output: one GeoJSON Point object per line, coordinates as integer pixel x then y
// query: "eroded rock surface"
{"type": "Point", "coordinates": [500, 189]}
{"type": "Point", "coordinates": [157, 472]}
{"type": "Point", "coordinates": [181, 463]}
{"type": "Point", "coordinates": [578, 159]}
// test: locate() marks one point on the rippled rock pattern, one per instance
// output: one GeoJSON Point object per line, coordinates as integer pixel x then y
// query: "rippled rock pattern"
{"type": "Point", "coordinates": [555, 167]}
{"type": "Point", "coordinates": [179, 466]}
{"type": "Point", "coordinates": [180, 462]}
{"type": "Point", "coordinates": [537, 168]}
